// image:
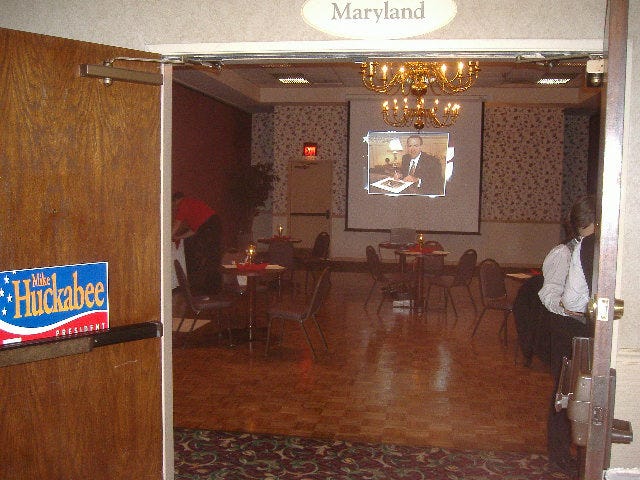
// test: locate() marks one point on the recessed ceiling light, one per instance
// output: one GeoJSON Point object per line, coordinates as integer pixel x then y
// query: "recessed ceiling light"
{"type": "Point", "coordinates": [553, 80]}
{"type": "Point", "coordinates": [293, 79]}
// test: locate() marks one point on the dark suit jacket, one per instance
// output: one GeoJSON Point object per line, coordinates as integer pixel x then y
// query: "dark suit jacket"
{"type": "Point", "coordinates": [429, 170]}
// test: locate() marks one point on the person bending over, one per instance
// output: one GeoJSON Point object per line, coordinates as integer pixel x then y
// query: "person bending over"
{"type": "Point", "coordinates": [199, 226]}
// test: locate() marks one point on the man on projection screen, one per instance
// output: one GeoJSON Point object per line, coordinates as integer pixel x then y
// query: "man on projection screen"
{"type": "Point", "coordinates": [422, 168]}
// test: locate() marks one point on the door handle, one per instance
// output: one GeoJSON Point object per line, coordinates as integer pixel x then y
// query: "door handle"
{"type": "Point", "coordinates": [598, 309]}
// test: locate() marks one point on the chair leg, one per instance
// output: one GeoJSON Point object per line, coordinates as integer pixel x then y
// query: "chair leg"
{"type": "Point", "coordinates": [478, 322]}
{"type": "Point", "coordinates": [375, 282]}
{"type": "Point", "coordinates": [503, 327]}
{"type": "Point", "coordinates": [381, 301]}
{"type": "Point", "coordinates": [453, 305]}
{"type": "Point", "coordinates": [306, 335]}
{"type": "Point", "coordinates": [473, 303]}
{"type": "Point", "coordinates": [266, 348]}
{"type": "Point", "coordinates": [282, 331]}
{"type": "Point", "coordinates": [229, 330]}
{"type": "Point", "coordinates": [324, 340]}
{"type": "Point", "coordinates": [425, 299]}
{"type": "Point", "coordinates": [219, 322]}
{"type": "Point", "coordinates": [184, 314]}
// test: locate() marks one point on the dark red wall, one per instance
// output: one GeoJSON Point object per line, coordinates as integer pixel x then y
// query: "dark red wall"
{"type": "Point", "coordinates": [210, 139]}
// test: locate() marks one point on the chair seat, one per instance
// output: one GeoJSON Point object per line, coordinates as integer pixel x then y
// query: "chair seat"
{"type": "Point", "coordinates": [293, 313]}
{"type": "Point", "coordinates": [501, 303]}
{"type": "Point", "coordinates": [444, 281]}
{"type": "Point", "coordinates": [205, 302]}
{"type": "Point", "coordinates": [201, 304]}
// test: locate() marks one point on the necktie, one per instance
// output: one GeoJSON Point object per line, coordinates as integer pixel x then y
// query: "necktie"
{"type": "Point", "coordinates": [412, 167]}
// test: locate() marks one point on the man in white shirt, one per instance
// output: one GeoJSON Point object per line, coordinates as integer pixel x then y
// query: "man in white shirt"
{"type": "Point", "coordinates": [565, 290]}
{"type": "Point", "coordinates": [566, 302]}
{"type": "Point", "coordinates": [555, 269]}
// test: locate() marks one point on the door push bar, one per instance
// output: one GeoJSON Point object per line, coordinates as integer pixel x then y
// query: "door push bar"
{"type": "Point", "coordinates": [574, 394]}
{"type": "Point", "coordinates": [34, 351]}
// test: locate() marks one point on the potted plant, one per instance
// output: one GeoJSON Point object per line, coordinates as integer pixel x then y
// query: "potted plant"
{"type": "Point", "coordinates": [250, 189]}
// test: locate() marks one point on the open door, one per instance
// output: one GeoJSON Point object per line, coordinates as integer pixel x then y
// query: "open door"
{"type": "Point", "coordinates": [80, 179]}
{"type": "Point", "coordinates": [600, 426]}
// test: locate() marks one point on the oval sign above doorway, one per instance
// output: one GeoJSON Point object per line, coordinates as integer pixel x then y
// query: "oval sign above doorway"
{"type": "Point", "coordinates": [378, 19]}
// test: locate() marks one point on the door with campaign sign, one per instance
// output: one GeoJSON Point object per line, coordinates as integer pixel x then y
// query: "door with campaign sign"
{"type": "Point", "coordinates": [58, 301]}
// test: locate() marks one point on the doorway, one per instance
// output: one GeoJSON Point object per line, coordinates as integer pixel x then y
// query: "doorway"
{"type": "Point", "coordinates": [309, 200]}
{"type": "Point", "coordinates": [302, 202]}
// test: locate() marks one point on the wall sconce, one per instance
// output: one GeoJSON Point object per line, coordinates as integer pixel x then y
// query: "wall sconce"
{"type": "Point", "coordinates": [309, 151]}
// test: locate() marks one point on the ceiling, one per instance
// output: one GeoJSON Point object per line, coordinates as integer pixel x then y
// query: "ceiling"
{"type": "Point", "coordinates": [494, 73]}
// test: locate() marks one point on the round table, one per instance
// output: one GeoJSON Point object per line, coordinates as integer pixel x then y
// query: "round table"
{"type": "Point", "coordinates": [252, 275]}
{"type": "Point", "coordinates": [419, 256]}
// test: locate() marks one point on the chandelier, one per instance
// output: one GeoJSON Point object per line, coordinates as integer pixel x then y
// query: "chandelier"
{"type": "Point", "coordinates": [419, 115]}
{"type": "Point", "coordinates": [418, 79]}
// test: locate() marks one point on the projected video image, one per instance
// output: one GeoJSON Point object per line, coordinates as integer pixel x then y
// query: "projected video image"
{"type": "Point", "coordinates": [405, 163]}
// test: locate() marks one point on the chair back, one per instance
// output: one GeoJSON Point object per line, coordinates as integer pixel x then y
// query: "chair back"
{"type": "Point", "coordinates": [321, 246]}
{"type": "Point", "coordinates": [321, 292]}
{"type": "Point", "coordinates": [373, 263]}
{"type": "Point", "coordinates": [433, 265]}
{"type": "Point", "coordinates": [183, 282]}
{"type": "Point", "coordinates": [492, 283]}
{"type": "Point", "coordinates": [402, 235]}
{"type": "Point", "coordinates": [281, 253]}
{"type": "Point", "coordinates": [466, 266]}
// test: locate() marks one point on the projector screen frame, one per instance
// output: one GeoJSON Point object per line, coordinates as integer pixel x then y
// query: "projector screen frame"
{"type": "Point", "coordinates": [465, 137]}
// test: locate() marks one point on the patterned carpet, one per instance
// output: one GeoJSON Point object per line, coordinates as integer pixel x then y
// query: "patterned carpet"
{"type": "Point", "coordinates": [205, 454]}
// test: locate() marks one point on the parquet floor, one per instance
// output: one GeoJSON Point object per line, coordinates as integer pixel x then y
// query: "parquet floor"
{"type": "Point", "coordinates": [394, 378]}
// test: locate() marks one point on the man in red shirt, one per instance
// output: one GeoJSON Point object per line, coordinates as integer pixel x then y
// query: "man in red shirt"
{"type": "Point", "coordinates": [200, 227]}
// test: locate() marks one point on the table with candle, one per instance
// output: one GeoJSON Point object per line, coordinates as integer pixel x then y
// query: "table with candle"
{"type": "Point", "coordinates": [251, 272]}
{"type": "Point", "coordinates": [420, 252]}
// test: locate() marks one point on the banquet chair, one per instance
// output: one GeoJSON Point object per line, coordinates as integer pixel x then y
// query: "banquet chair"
{"type": "Point", "coordinates": [433, 265]}
{"type": "Point", "coordinates": [493, 292]}
{"type": "Point", "coordinates": [302, 313]}
{"type": "Point", "coordinates": [196, 305]}
{"type": "Point", "coordinates": [317, 259]}
{"type": "Point", "coordinates": [393, 283]}
{"type": "Point", "coordinates": [461, 278]}
{"type": "Point", "coordinates": [282, 253]}
{"type": "Point", "coordinates": [400, 238]}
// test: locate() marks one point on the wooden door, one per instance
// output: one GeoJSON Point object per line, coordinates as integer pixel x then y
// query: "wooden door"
{"type": "Point", "coordinates": [604, 279]}
{"type": "Point", "coordinates": [80, 180]}
{"type": "Point", "coordinates": [310, 200]}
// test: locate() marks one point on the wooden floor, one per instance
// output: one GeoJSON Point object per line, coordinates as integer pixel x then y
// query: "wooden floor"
{"type": "Point", "coordinates": [394, 378]}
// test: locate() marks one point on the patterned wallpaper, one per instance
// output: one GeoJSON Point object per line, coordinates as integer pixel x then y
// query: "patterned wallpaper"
{"type": "Point", "coordinates": [262, 138]}
{"type": "Point", "coordinates": [522, 163]}
{"type": "Point", "coordinates": [534, 161]}
{"type": "Point", "coordinates": [576, 159]}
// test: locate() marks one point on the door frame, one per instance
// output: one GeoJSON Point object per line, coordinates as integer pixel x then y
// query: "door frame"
{"type": "Point", "coordinates": [610, 157]}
